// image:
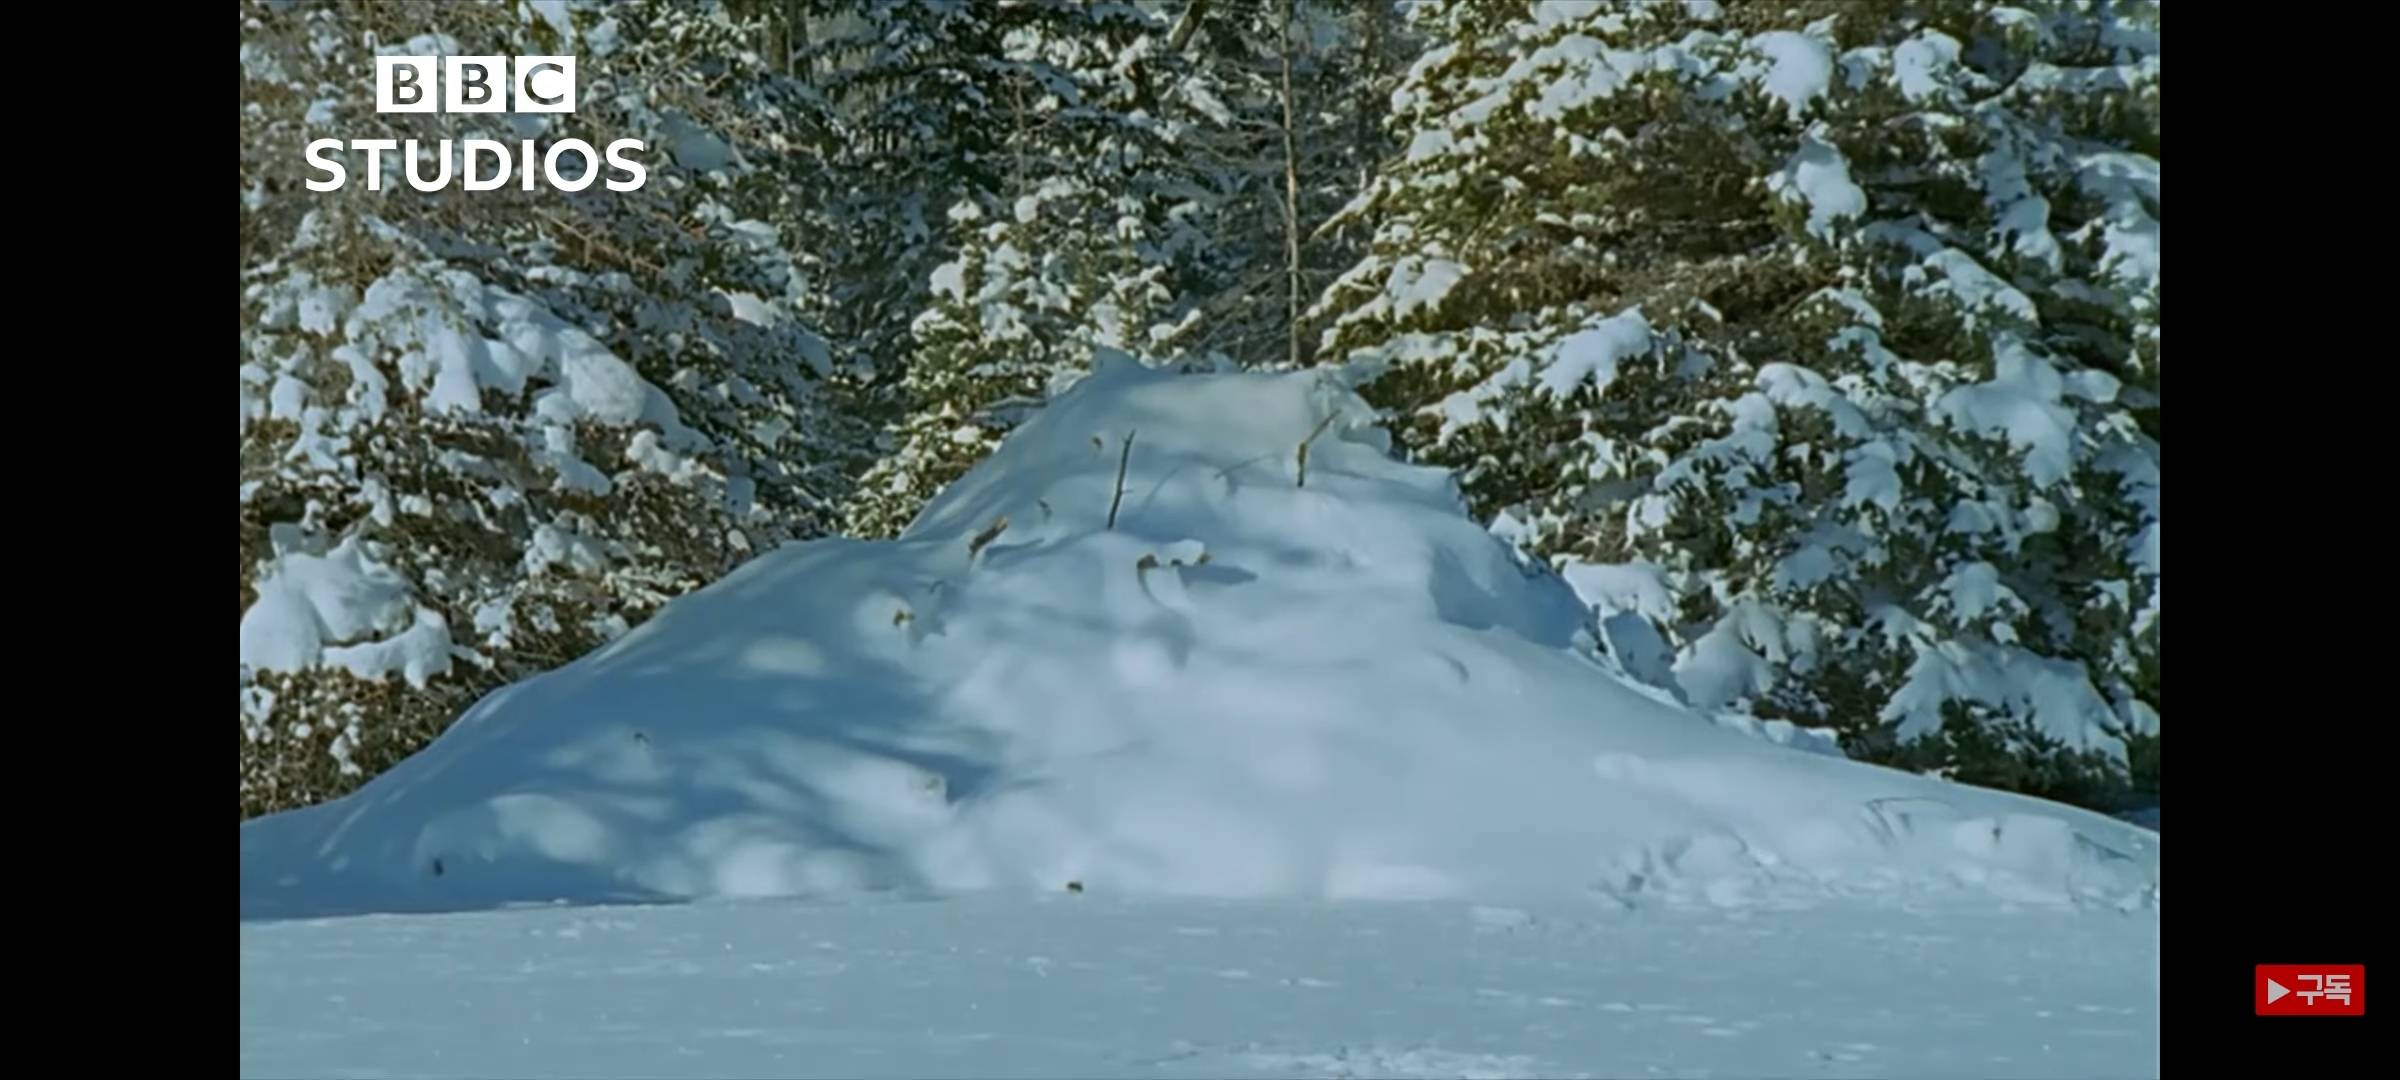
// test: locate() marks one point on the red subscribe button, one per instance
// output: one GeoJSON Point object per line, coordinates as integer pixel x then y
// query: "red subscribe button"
{"type": "Point", "coordinates": [2311, 989]}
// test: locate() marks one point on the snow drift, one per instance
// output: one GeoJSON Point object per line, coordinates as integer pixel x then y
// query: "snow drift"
{"type": "Point", "coordinates": [1282, 672]}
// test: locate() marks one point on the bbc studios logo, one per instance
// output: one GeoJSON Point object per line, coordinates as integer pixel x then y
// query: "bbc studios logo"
{"type": "Point", "coordinates": [478, 84]}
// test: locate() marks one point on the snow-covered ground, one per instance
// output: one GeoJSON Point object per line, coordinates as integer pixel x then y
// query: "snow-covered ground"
{"type": "Point", "coordinates": [1104, 986]}
{"type": "Point", "coordinates": [1282, 709]}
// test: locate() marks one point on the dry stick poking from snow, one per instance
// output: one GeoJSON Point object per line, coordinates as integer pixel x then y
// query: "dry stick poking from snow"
{"type": "Point", "coordinates": [1124, 457]}
{"type": "Point", "coordinates": [990, 533]}
{"type": "Point", "coordinates": [1303, 454]}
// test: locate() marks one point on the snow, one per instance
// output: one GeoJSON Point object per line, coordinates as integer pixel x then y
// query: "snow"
{"type": "Point", "coordinates": [601, 387]}
{"type": "Point", "coordinates": [1547, 13]}
{"type": "Point", "coordinates": [1422, 283]}
{"type": "Point", "coordinates": [574, 473]}
{"type": "Point", "coordinates": [1872, 477]}
{"type": "Point", "coordinates": [1102, 984]}
{"type": "Point", "coordinates": [1811, 565]}
{"type": "Point", "coordinates": [1276, 732]}
{"type": "Point", "coordinates": [418, 653]}
{"type": "Point", "coordinates": [560, 19]}
{"type": "Point", "coordinates": [1592, 72]}
{"type": "Point", "coordinates": [1465, 407]}
{"type": "Point", "coordinates": [495, 620]}
{"type": "Point", "coordinates": [1801, 67]}
{"type": "Point", "coordinates": [1594, 352]}
{"type": "Point", "coordinates": [313, 610]}
{"type": "Point", "coordinates": [1921, 64]}
{"type": "Point", "coordinates": [1720, 668]}
{"type": "Point", "coordinates": [1636, 645]}
{"type": "Point", "coordinates": [950, 279]}
{"type": "Point", "coordinates": [602, 39]}
{"type": "Point", "coordinates": [2130, 230]}
{"type": "Point", "coordinates": [458, 337]}
{"type": "Point", "coordinates": [1636, 587]}
{"type": "Point", "coordinates": [1476, 113]}
{"type": "Point", "coordinates": [1824, 741]}
{"type": "Point", "coordinates": [2093, 385]}
{"type": "Point", "coordinates": [306, 600]}
{"type": "Point", "coordinates": [1819, 176]}
{"type": "Point", "coordinates": [1857, 305]}
{"type": "Point", "coordinates": [552, 546]}
{"type": "Point", "coordinates": [1631, 600]}
{"type": "Point", "coordinates": [423, 45]}
{"type": "Point", "coordinates": [1974, 589]}
{"type": "Point", "coordinates": [752, 308]}
{"type": "Point", "coordinates": [1013, 695]}
{"type": "Point", "coordinates": [320, 310]}
{"type": "Point", "coordinates": [2022, 403]}
{"type": "Point", "coordinates": [1791, 384]}
{"type": "Point", "coordinates": [1978, 288]}
{"type": "Point", "coordinates": [2056, 694]}
{"type": "Point", "coordinates": [695, 147]}
{"type": "Point", "coordinates": [647, 451]}
{"type": "Point", "coordinates": [287, 399]}
{"type": "Point", "coordinates": [2022, 212]}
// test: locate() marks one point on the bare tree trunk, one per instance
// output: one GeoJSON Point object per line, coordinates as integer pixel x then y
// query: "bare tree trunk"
{"type": "Point", "coordinates": [1370, 83]}
{"type": "Point", "coordinates": [774, 32]}
{"type": "Point", "coordinates": [795, 40]}
{"type": "Point", "coordinates": [1291, 191]}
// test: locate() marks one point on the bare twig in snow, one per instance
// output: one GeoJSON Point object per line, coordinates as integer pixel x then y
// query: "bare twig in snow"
{"type": "Point", "coordinates": [1302, 456]}
{"type": "Point", "coordinates": [1124, 458]}
{"type": "Point", "coordinates": [990, 533]}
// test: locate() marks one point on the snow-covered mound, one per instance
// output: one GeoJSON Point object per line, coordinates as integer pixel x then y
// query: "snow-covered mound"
{"type": "Point", "coordinates": [1282, 672]}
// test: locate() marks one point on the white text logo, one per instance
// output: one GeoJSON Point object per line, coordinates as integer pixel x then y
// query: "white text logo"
{"type": "Point", "coordinates": [478, 84]}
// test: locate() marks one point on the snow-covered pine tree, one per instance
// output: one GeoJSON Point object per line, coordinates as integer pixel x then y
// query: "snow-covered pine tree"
{"type": "Point", "coordinates": [914, 87]}
{"type": "Point", "coordinates": [1160, 178]}
{"type": "Point", "coordinates": [484, 432]}
{"type": "Point", "coordinates": [1817, 342]}
{"type": "Point", "coordinates": [1072, 250]}
{"type": "Point", "coordinates": [1343, 59]}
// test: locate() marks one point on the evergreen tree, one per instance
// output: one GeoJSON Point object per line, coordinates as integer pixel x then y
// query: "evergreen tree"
{"type": "Point", "coordinates": [1138, 180]}
{"type": "Point", "coordinates": [914, 87]}
{"type": "Point", "coordinates": [485, 432]}
{"type": "Point", "coordinates": [1072, 249]}
{"type": "Point", "coordinates": [1817, 342]}
{"type": "Point", "coordinates": [1342, 61]}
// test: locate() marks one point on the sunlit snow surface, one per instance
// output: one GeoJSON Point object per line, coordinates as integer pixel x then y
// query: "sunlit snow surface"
{"type": "Point", "coordinates": [1104, 986]}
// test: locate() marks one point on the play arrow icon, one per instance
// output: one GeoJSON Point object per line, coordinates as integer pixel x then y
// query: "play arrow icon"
{"type": "Point", "coordinates": [2276, 991]}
